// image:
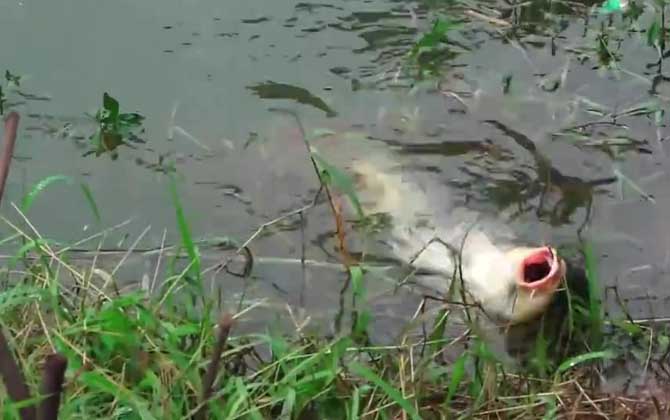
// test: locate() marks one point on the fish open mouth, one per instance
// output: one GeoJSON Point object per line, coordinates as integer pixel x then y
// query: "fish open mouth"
{"type": "Point", "coordinates": [539, 269]}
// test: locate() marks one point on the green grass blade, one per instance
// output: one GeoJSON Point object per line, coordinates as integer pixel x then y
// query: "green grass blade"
{"type": "Point", "coordinates": [339, 180]}
{"type": "Point", "coordinates": [40, 186]}
{"type": "Point", "coordinates": [88, 194]}
{"type": "Point", "coordinates": [102, 384]}
{"type": "Point", "coordinates": [457, 374]}
{"type": "Point", "coordinates": [289, 403]}
{"type": "Point", "coordinates": [355, 404]}
{"type": "Point", "coordinates": [244, 396]}
{"type": "Point", "coordinates": [393, 393]}
{"type": "Point", "coordinates": [595, 309]}
{"type": "Point", "coordinates": [574, 361]}
{"type": "Point", "coordinates": [185, 232]}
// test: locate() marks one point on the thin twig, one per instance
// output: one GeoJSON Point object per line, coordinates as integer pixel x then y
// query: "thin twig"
{"type": "Point", "coordinates": [222, 266]}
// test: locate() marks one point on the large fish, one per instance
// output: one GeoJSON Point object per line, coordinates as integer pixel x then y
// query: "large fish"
{"type": "Point", "coordinates": [509, 282]}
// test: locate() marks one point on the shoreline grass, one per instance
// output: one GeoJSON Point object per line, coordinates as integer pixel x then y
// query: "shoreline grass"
{"type": "Point", "coordinates": [141, 356]}
{"type": "Point", "coordinates": [153, 354]}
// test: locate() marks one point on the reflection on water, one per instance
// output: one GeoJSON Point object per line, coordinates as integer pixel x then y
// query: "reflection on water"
{"type": "Point", "coordinates": [529, 121]}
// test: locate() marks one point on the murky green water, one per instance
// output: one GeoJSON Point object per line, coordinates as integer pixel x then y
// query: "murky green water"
{"type": "Point", "coordinates": [198, 70]}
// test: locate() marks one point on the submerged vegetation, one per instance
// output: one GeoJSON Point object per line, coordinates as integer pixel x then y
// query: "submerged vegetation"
{"type": "Point", "coordinates": [114, 128]}
{"type": "Point", "coordinates": [170, 348]}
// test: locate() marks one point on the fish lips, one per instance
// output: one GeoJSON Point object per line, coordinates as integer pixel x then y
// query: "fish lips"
{"type": "Point", "coordinates": [542, 269]}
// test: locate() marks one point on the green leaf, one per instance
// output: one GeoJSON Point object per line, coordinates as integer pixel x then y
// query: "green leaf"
{"type": "Point", "coordinates": [435, 36]}
{"type": "Point", "coordinates": [654, 34]}
{"type": "Point", "coordinates": [244, 395]}
{"type": "Point", "coordinates": [110, 105]}
{"type": "Point", "coordinates": [574, 361]}
{"type": "Point", "coordinates": [631, 328]}
{"type": "Point", "coordinates": [19, 295]}
{"type": "Point", "coordinates": [552, 408]}
{"type": "Point", "coordinates": [663, 343]}
{"type": "Point", "coordinates": [357, 281]}
{"type": "Point", "coordinates": [33, 244]}
{"type": "Point", "coordinates": [131, 119]}
{"type": "Point", "coordinates": [390, 390]}
{"type": "Point", "coordinates": [39, 187]}
{"type": "Point", "coordinates": [339, 180]}
{"type": "Point", "coordinates": [457, 373]}
{"type": "Point", "coordinates": [361, 316]}
{"type": "Point", "coordinates": [100, 383]}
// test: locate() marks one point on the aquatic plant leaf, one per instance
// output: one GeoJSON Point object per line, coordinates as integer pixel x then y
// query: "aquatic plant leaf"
{"type": "Point", "coordinates": [110, 105]}
{"type": "Point", "coordinates": [114, 128]}
{"type": "Point", "coordinates": [642, 108]}
{"type": "Point", "coordinates": [390, 390]}
{"type": "Point", "coordinates": [12, 79]}
{"type": "Point", "coordinates": [623, 179]}
{"type": "Point", "coordinates": [340, 180]}
{"type": "Point", "coordinates": [654, 34]}
{"type": "Point", "coordinates": [582, 358]}
{"type": "Point", "coordinates": [274, 90]}
{"type": "Point", "coordinates": [40, 186]}
{"type": "Point", "coordinates": [433, 38]}
{"type": "Point", "coordinates": [131, 119]}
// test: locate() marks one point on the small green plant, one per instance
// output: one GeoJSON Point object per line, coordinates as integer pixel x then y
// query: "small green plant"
{"type": "Point", "coordinates": [657, 31]}
{"type": "Point", "coordinates": [115, 128]}
{"type": "Point", "coordinates": [431, 50]}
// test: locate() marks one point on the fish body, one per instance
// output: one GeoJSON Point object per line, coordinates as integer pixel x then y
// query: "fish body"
{"type": "Point", "coordinates": [511, 284]}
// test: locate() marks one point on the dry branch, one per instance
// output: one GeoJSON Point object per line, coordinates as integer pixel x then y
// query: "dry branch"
{"type": "Point", "coordinates": [225, 325]}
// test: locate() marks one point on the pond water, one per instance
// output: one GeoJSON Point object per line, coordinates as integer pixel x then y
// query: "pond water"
{"type": "Point", "coordinates": [545, 113]}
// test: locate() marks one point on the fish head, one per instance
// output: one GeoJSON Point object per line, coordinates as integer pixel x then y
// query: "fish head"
{"type": "Point", "coordinates": [537, 273]}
